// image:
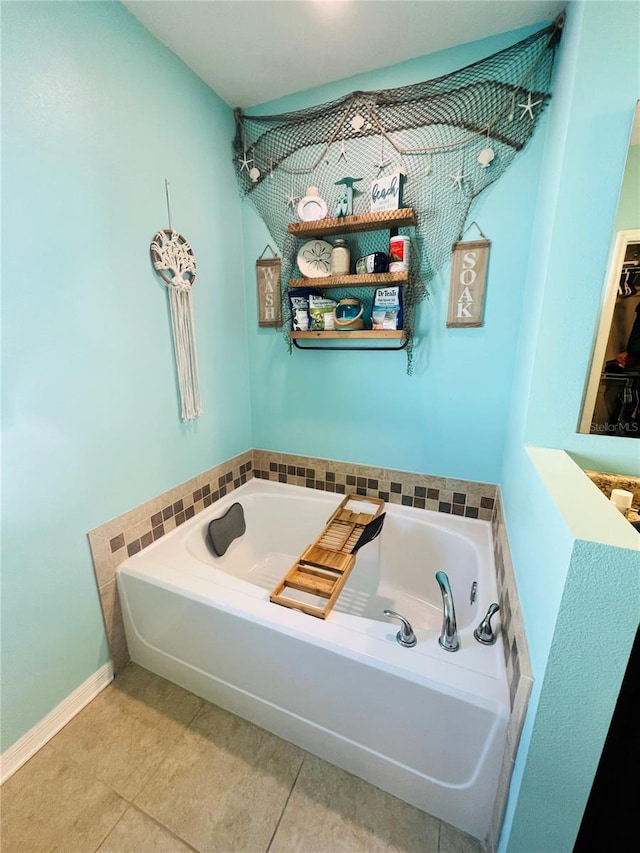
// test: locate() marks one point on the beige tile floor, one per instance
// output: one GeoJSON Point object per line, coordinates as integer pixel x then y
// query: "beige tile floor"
{"type": "Point", "coordinates": [147, 767]}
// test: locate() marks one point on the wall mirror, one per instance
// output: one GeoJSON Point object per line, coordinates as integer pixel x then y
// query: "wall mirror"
{"type": "Point", "coordinates": [612, 396]}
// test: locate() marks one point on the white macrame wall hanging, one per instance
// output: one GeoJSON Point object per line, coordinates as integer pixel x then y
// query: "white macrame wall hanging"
{"type": "Point", "coordinates": [175, 262]}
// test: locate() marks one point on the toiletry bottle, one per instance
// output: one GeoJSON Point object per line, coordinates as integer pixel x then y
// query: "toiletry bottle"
{"type": "Point", "coordinates": [399, 254]}
{"type": "Point", "coordinates": [622, 500]}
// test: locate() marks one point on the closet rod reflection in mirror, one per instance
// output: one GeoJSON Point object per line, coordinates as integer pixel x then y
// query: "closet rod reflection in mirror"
{"type": "Point", "coordinates": [612, 399]}
{"type": "Point", "coordinates": [612, 395]}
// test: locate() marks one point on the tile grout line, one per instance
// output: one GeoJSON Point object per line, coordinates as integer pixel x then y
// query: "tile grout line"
{"type": "Point", "coordinates": [132, 804]}
{"type": "Point", "coordinates": [277, 826]}
{"type": "Point", "coordinates": [166, 829]}
{"type": "Point", "coordinates": [109, 831]}
{"type": "Point", "coordinates": [131, 801]}
{"type": "Point", "coordinates": [163, 761]}
{"type": "Point", "coordinates": [134, 807]}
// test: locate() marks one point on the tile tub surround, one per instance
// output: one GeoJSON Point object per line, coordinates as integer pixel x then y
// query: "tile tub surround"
{"type": "Point", "coordinates": [517, 661]}
{"type": "Point", "coordinates": [126, 535]}
{"type": "Point", "coordinates": [113, 542]}
{"type": "Point", "coordinates": [422, 491]}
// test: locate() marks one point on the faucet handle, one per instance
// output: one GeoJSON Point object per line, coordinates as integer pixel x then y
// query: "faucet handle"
{"type": "Point", "coordinates": [405, 635]}
{"type": "Point", "coordinates": [484, 632]}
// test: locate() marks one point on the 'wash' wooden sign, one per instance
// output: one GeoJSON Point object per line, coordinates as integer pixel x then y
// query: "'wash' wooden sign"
{"type": "Point", "coordinates": [268, 281]}
{"type": "Point", "coordinates": [469, 263]}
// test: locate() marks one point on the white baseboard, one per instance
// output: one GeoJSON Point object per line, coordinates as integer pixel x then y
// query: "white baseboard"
{"type": "Point", "coordinates": [22, 750]}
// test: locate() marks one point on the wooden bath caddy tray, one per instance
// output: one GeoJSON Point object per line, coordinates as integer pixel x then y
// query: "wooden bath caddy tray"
{"type": "Point", "coordinates": [323, 568]}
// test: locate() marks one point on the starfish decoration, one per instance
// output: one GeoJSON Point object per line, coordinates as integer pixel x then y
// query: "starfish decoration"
{"type": "Point", "coordinates": [528, 107]}
{"type": "Point", "coordinates": [343, 153]}
{"type": "Point", "coordinates": [244, 163]}
{"type": "Point", "coordinates": [292, 198]}
{"type": "Point", "coordinates": [382, 163]}
{"type": "Point", "coordinates": [457, 179]}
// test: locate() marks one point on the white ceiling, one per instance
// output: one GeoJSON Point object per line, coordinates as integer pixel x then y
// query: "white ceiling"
{"type": "Point", "coordinates": [252, 51]}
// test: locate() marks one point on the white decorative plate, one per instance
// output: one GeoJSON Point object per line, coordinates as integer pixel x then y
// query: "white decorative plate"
{"type": "Point", "coordinates": [314, 258]}
{"type": "Point", "coordinates": [312, 207]}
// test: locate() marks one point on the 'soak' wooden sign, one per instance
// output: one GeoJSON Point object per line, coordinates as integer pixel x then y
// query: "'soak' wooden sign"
{"type": "Point", "coordinates": [469, 263]}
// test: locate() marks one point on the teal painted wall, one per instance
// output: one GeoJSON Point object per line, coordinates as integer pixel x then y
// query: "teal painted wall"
{"type": "Point", "coordinates": [596, 131]}
{"type": "Point", "coordinates": [362, 407]}
{"type": "Point", "coordinates": [90, 408]}
{"type": "Point", "coordinates": [563, 582]}
{"type": "Point", "coordinates": [582, 679]}
{"type": "Point", "coordinates": [96, 113]}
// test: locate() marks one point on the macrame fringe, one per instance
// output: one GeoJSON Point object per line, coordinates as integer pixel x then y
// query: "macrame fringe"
{"type": "Point", "coordinates": [184, 343]}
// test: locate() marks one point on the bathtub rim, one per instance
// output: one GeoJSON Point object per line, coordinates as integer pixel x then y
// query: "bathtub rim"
{"type": "Point", "coordinates": [371, 642]}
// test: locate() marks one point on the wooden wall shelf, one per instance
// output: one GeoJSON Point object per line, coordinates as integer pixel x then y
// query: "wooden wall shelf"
{"type": "Point", "coordinates": [378, 221]}
{"type": "Point", "coordinates": [363, 334]}
{"type": "Point", "coordinates": [389, 220]}
{"type": "Point", "coordinates": [380, 279]}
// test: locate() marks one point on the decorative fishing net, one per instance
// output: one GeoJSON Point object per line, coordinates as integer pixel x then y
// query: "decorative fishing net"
{"type": "Point", "coordinates": [452, 136]}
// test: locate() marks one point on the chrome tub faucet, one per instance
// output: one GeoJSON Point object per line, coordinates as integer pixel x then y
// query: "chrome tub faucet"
{"type": "Point", "coordinates": [484, 632]}
{"type": "Point", "coordinates": [405, 635]}
{"type": "Point", "coordinates": [449, 636]}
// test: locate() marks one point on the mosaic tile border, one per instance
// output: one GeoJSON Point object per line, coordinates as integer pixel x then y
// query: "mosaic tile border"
{"type": "Point", "coordinates": [516, 652]}
{"type": "Point", "coordinates": [126, 535]}
{"type": "Point", "coordinates": [440, 494]}
{"type": "Point", "coordinates": [517, 662]}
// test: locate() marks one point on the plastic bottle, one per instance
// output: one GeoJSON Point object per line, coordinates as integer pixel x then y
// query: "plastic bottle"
{"type": "Point", "coordinates": [399, 254]}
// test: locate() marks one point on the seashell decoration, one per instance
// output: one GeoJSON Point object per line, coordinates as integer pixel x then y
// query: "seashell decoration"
{"type": "Point", "coordinates": [486, 156]}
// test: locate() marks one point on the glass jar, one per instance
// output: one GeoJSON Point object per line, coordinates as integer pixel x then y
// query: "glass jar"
{"type": "Point", "coordinates": [340, 257]}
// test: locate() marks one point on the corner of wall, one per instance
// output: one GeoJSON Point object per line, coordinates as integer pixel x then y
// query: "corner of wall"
{"type": "Point", "coordinates": [541, 410]}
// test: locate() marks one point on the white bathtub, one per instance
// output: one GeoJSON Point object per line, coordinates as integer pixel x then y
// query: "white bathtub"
{"type": "Point", "coordinates": [424, 724]}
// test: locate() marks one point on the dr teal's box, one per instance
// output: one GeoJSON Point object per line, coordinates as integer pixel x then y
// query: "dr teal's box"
{"type": "Point", "coordinates": [386, 313]}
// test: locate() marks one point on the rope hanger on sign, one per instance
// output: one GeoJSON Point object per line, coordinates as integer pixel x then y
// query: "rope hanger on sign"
{"type": "Point", "coordinates": [175, 263]}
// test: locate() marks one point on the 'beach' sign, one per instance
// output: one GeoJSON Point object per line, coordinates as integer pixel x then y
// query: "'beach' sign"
{"type": "Point", "coordinates": [386, 193]}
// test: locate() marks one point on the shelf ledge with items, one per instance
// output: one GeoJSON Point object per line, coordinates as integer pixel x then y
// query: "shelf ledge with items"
{"type": "Point", "coordinates": [374, 279]}
{"type": "Point", "coordinates": [377, 221]}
